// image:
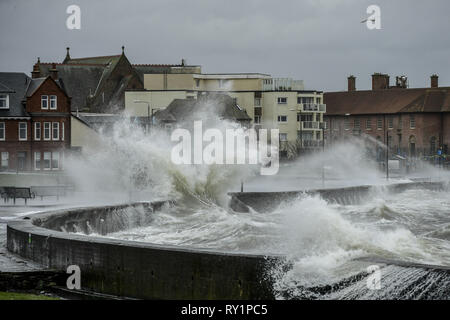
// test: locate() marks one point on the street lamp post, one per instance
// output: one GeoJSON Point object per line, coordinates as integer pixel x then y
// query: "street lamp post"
{"type": "Point", "coordinates": [323, 155]}
{"type": "Point", "coordinates": [148, 112]}
{"type": "Point", "coordinates": [387, 148]}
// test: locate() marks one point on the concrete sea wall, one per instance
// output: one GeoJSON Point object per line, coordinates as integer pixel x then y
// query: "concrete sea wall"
{"type": "Point", "coordinates": [136, 269]}
{"type": "Point", "coordinates": [268, 201]}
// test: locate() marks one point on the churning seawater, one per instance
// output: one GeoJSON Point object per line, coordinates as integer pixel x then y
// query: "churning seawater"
{"type": "Point", "coordinates": [323, 242]}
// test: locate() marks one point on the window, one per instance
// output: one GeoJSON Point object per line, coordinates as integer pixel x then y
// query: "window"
{"type": "Point", "coordinates": [22, 131]}
{"type": "Point", "coordinates": [4, 101]}
{"type": "Point", "coordinates": [37, 131]}
{"type": "Point", "coordinates": [46, 130]}
{"type": "Point", "coordinates": [223, 83]}
{"type": "Point", "coordinates": [390, 123]}
{"type": "Point", "coordinates": [53, 102]}
{"type": "Point", "coordinates": [357, 124]}
{"type": "Point", "coordinates": [369, 124]}
{"type": "Point", "coordinates": [2, 131]}
{"type": "Point", "coordinates": [4, 160]}
{"type": "Point", "coordinates": [37, 161]}
{"type": "Point", "coordinates": [197, 83]}
{"type": "Point", "coordinates": [55, 160]}
{"type": "Point", "coordinates": [412, 122]}
{"type": "Point", "coordinates": [44, 102]}
{"type": "Point", "coordinates": [283, 136]}
{"type": "Point", "coordinates": [433, 145]}
{"type": "Point", "coordinates": [379, 123]}
{"type": "Point", "coordinates": [257, 102]}
{"type": "Point", "coordinates": [282, 118]}
{"type": "Point", "coordinates": [282, 100]}
{"type": "Point", "coordinates": [62, 132]}
{"type": "Point", "coordinates": [305, 100]}
{"type": "Point", "coordinates": [47, 160]}
{"type": "Point", "coordinates": [257, 119]}
{"type": "Point", "coordinates": [55, 131]}
{"type": "Point", "coordinates": [346, 124]}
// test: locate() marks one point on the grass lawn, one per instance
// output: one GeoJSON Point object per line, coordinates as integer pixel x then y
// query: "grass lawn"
{"type": "Point", "coordinates": [23, 296]}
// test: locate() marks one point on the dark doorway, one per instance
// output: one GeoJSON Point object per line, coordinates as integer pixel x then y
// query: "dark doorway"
{"type": "Point", "coordinates": [21, 160]}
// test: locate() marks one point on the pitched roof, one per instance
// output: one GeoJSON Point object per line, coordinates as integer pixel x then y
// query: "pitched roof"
{"type": "Point", "coordinates": [34, 84]}
{"type": "Point", "coordinates": [211, 104]}
{"type": "Point", "coordinates": [388, 101]}
{"type": "Point", "coordinates": [80, 80]}
{"type": "Point", "coordinates": [17, 83]}
{"type": "Point", "coordinates": [103, 60]}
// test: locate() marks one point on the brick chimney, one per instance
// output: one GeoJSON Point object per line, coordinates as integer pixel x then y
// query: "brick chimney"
{"type": "Point", "coordinates": [36, 73]}
{"type": "Point", "coordinates": [434, 81]}
{"type": "Point", "coordinates": [351, 83]}
{"type": "Point", "coordinates": [380, 81]}
{"type": "Point", "coordinates": [54, 72]}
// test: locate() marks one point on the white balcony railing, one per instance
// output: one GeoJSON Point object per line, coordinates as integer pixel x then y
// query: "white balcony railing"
{"type": "Point", "coordinates": [310, 125]}
{"type": "Point", "coordinates": [318, 107]}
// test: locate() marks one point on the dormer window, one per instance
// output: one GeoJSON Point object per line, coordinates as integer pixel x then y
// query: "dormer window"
{"type": "Point", "coordinates": [53, 102]}
{"type": "Point", "coordinates": [4, 101]}
{"type": "Point", "coordinates": [44, 102]}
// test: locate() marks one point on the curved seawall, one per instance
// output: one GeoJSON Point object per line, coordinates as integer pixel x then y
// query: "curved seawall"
{"type": "Point", "coordinates": [268, 201]}
{"type": "Point", "coordinates": [135, 269]}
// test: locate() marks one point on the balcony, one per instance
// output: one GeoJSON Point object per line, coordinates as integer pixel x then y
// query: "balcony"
{"type": "Point", "coordinates": [314, 107]}
{"type": "Point", "coordinates": [310, 125]}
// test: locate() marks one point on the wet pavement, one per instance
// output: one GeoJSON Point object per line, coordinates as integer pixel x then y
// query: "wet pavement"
{"type": "Point", "coordinates": [10, 262]}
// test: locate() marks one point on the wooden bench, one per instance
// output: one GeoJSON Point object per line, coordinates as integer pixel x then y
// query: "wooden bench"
{"type": "Point", "coordinates": [50, 191]}
{"type": "Point", "coordinates": [16, 193]}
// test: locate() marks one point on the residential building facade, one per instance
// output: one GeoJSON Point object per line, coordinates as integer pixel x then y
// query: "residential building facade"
{"type": "Point", "coordinates": [280, 103]}
{"type": "Point", "coordinates": [34, 122]}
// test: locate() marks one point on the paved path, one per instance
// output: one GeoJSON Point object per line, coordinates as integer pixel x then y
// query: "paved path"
{"type": "Point", "coordinates": [10, 262]}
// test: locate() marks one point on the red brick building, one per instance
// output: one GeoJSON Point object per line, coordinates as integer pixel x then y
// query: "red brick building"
{"type": "Point", "coordinates": [34, 122]}
{"type": "Point", "coordinates": [414, 122]}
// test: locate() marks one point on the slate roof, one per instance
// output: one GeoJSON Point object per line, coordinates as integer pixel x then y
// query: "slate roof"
{"type": "Point", "coordinates": [97, 120]}
{"type": "Point", "coordinates": [210, 104]}
{"type": "Point", "coordinates": [84, 80]}
{"type": "Point", "coordinates": [15, 84]}
{"type": "Point", "coordinates": [388, 101]}
{"type": "Point", "coordinates": [80, 80]}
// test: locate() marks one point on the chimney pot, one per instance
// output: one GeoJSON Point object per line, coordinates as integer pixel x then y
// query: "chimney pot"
{"type": "Point", "coordinates": [380, 81]}
{"type": "Point", "coordinates": [36, 73]}
{"type": "Point", "coordinates": [434, 81]}
{"type": "Point", "coordinates": [351, 83]}
{"type": "Point", "coordinates": [54, 72]}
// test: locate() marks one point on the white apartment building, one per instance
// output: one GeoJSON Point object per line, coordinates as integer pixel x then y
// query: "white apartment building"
{"type": "Point", "coordinates": [281, 103]}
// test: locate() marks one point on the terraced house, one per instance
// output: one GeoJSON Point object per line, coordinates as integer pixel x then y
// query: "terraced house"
{"type": "Point", "coordinates": [413, 122]}
{"type": "Point", "coordinates": [34, 122]}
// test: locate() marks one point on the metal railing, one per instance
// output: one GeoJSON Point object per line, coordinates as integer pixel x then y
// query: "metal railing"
{"type": "Point", "coordinates": [312, 125]}
{"type": "Point", "coordinates": [313, 107]}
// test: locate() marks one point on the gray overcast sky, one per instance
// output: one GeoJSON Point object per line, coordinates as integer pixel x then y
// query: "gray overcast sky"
{"type": "Point", "coordinates": [319, 41]}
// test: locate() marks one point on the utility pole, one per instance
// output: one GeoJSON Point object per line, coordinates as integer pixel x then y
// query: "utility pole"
{"type": "Point", "coordinates": [387, 148]}
{"type": "Point", "coordinates": [148, 113]}
{"type": "Point", "coordinates": [323, 155]}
